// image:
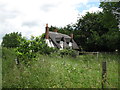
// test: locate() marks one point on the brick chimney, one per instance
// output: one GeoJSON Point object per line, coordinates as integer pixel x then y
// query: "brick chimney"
{"type": "Point", "coordinates": [47, 32]}
{"type": "Point", "coordinates": [71, 35]}
{"type": "Point", "coordinates": [55, 30]}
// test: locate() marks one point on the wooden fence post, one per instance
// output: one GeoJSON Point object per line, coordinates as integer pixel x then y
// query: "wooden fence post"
{"type": "Point", "coordinates": [97, 55]}
{"type": "Point", "coordinates": [104, 74]}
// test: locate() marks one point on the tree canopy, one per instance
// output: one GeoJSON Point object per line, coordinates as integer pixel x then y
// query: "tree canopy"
{"type": "Point", "coordinates": [97, 31]}
{"type": "Point", "coordinates": [12, 40]}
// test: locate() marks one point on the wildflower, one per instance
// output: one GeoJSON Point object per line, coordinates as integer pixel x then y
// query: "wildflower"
{"type": "Point", "coordinates": [74, 68]}
{"type": "Point", "coordinates": [30, 50]}
{"type": "Point", "coordinates": [116, 50]}
{"type": "Point", "coordinates": [37, 76]}
{"type": "Point", "coordinates": [69, 71]}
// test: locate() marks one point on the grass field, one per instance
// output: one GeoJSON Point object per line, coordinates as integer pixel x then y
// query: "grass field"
{"type": "Point", "coordinates": [53, 71]}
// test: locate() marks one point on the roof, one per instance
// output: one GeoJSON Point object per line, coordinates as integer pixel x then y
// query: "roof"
{"type": "Point", "coordinates": [56, 37]}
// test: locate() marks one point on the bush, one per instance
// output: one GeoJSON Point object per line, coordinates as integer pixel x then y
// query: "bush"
{"type": "Point", "coordinates": [28, 48]}
{"type": "Point", "coordinates": [68, 52]}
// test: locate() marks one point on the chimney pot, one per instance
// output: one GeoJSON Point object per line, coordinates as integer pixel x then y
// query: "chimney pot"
{"type": "Point", "coordinates": [46, 25]}
{"type": "Point", "coordinates": [47, 32]}
{"type": "Point", "coordinates": [55, 30]}
{"type": "Point", "coordinates": [71, 35]}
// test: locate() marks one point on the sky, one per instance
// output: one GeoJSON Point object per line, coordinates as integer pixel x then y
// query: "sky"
{"type": "Point", "coordinates": [30, 16]}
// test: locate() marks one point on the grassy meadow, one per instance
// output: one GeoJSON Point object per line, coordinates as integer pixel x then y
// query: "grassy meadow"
{"type": "Point", "coordinates": [54, 71]}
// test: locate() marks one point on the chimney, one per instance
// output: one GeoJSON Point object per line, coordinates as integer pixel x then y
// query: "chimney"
{"type": "Point", "coordinates": [47, 32]}
{"type": "Point", "coordinates": [71, 35]}
{"type": "Point", "coordinates": [55, 30]}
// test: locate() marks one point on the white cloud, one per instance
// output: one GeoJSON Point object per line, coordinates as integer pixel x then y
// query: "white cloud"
{"type": "Point", "coordinates": [91, 10]}
{"type": "Point", "coordinates": [30, 16]}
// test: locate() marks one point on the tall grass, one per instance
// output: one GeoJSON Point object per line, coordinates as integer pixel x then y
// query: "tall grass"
{"type": "Point", "coordinates": [0, 67]}
{"type": "Point", "coordinates": [53, 71]}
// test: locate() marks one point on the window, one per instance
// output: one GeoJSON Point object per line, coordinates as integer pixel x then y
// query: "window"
{"type": "Point", "coordinates": [67, 43]}
{"type": "Point", "coordinates": [70, 45]}
{"type": "Point", "coordinates": [58, 42]}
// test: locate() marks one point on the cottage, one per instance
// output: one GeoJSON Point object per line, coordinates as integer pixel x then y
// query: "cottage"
{"type": "Point", "coordinates": [58, 40]}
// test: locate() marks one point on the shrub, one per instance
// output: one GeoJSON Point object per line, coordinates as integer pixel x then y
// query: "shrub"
{"type": "Point", "coordinates": [28, 48]}
{"type": "Point", "coordinates": [68, 52]}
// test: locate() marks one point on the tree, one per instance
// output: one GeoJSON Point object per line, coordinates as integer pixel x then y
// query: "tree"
{"type": "Point", "coordinates": [68, 29]}
{"type": "Point", "coordinates": [89, 30]}
{"type": "Point", "coordinates": [97, 31]}
{"type": "Point", "coordinates": [12, 40]}
{"type": "Point", "coordinates": [111, 14]}
{"type": "Point", "coordinates": [111, 20]}
{"type": "Point", "coordinates": [112, 7]}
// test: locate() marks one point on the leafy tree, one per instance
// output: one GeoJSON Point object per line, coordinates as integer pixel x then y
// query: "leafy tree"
{"type": "Point", "coordinates": [12, 40]}
{"type": "Point", "coordinates": [111, 14]}
{"type": "Point", "coordinates": [111, 20]}
{"type": "Point", "coordinates": [52, 28]}
{"type": "Point", "coordinates": [90, 30]}
{"type": "Point", "coordinates": [112, 7]}
{"type": "Point", "coordinates": [97, 31]}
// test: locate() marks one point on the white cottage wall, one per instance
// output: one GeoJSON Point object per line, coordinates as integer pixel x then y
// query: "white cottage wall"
{"type": "Point", "coordinates": [49, 43]}
{"type": "Point", "coordinates": [61, 44]}
{"type": "Point", "coordinates": [70, 45]}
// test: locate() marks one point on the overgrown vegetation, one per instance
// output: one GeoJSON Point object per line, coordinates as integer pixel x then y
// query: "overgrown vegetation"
{"type": "Point", "coordinates": [57, 72]}
{"type": "Point", "coordinates": [28, 48]}
{"type": "Point", "coordinates": [68, 52]}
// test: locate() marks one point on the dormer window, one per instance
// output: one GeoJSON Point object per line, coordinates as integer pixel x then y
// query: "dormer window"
{"type": "Point", "coordinates": [67, 43]}
{"type": "Point", "coordinates": [62, 39]}
{"type": "Point", "coordinates": [58, 42]}
{"type": "Point", "coordinates": [70, 45]}
{"type": "Point", "coordinates": [61, 44]}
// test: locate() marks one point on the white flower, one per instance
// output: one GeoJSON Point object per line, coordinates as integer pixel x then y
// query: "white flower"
{"type": "Point", "coordinates": [69, 71]}
{"type": "Point", "coordinates": [74, 68]}
{"type": "Point", "coordinates": [30, 50]}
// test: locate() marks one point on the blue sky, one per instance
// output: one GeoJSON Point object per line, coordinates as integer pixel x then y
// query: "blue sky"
{"type": "Point", "coordinates": [30, 16]}
{"type": "Point", "coordinates": [82, 6]}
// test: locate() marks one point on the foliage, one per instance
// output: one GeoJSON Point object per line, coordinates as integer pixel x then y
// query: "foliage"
{"type": "Point", "coordinates": [98, 32]}
{"type": "Point", "coordinates": [95, 32]}
{"type": "Point", "coordinates": [68, 29]}
{"type": "Point", "coordinates": [12, 40]}
{"type": "Point", "coordinates": [56, 72]}
{"type": "Point", "coordinates": [111, 15]}
{"type": "Point", "coordinates": [110, 19]}
{"type": "Point", "coordinates": [28, 48]}
{"type": "Point", "coordinates": [90, 28]}
{"type": "Point", "coordinates": [111, 7]}
{"type": "Point", "coordinates": [67, 52]}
